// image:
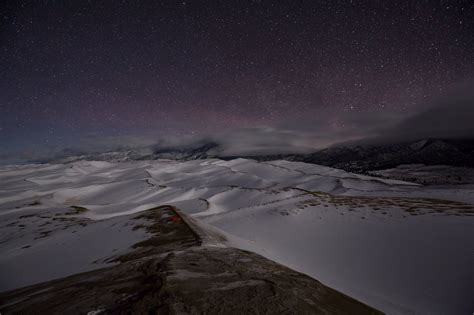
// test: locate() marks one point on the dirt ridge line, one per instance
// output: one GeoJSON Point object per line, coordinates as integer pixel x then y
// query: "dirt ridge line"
{"type": "Point", "coordinates": [207, 236]}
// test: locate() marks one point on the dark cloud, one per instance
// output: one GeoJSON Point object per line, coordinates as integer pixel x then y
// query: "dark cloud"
{"type": "Point", "coordinates": [245, 141]}
{"type": "Point", "coordinates": [449, 116]}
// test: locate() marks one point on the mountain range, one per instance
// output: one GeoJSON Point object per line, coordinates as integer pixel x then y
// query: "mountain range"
{"type": "Point", "coordinates": [354, 157]}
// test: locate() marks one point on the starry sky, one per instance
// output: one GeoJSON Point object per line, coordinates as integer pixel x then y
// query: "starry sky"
{"type": "Point", "coordinates": [131, 72]}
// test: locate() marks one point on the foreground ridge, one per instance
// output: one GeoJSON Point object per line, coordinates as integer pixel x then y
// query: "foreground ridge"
{"type": "Point", "coordinates": [180, 270]}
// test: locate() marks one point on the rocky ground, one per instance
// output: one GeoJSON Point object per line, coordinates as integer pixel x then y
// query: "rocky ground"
{"type": "Point", "coordinates": [177, 270]}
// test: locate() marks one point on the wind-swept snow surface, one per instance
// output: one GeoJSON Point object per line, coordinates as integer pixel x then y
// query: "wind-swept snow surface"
{"type": "Point", "coordinates": [397, 246]}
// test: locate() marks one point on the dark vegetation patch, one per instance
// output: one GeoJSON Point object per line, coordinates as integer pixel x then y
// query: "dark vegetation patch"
{"type": "Point", "coordinates": [43, 234]}
{"type": "Point", "coordinates": [26, 216]}
{"type": "Point", "coordinates": [383, 204]}
{"type": "Point", "coordinates": [76, 210]}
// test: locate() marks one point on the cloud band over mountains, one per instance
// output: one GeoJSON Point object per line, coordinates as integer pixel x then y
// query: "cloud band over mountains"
{"type": "Point", "coordinates": [449, 116]}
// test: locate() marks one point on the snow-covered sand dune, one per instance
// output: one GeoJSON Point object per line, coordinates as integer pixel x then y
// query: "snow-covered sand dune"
{"type": "Point", "coordinates": [397, 246]}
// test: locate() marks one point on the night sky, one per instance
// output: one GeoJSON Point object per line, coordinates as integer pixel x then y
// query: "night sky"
{"type": "Point", "coordinates": [140, 70]}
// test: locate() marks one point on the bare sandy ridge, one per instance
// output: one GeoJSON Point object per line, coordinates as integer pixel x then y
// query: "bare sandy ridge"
{"type": "Point", "coordinates": [182, 268]}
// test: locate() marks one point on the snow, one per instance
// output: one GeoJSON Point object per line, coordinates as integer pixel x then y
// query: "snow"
{"type": "Point", "coordinates": [68, 249]}
{"type": "Point", "coordinates": [377, 240]}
